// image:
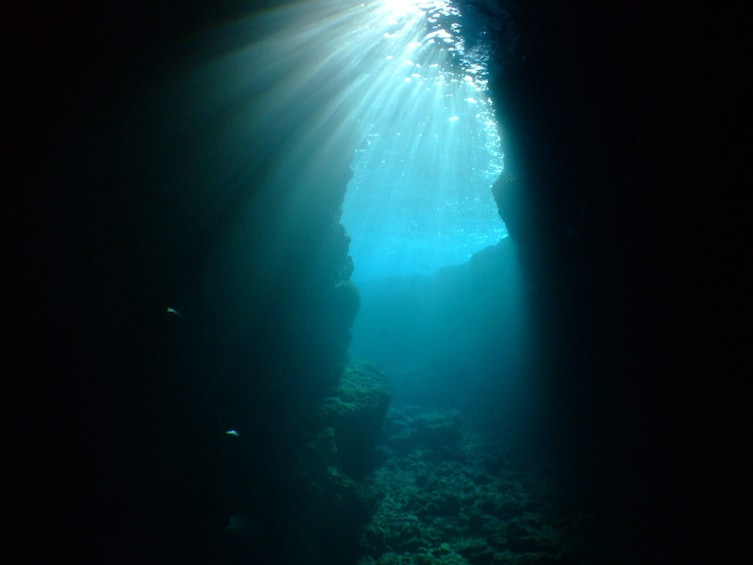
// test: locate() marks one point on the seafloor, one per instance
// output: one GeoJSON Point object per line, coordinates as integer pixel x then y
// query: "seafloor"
{"type": "Point", "coordinates": [450, 495]}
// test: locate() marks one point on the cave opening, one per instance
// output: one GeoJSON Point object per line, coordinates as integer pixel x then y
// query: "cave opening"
{"type": "Point", "coordinates": [420, 197]}
{"type": "Point", "coordinates": [438, 277]}
{"type": "Point", "coordinates": [248, 146]}
{"type": "Point", "coordinates": [185, 300]}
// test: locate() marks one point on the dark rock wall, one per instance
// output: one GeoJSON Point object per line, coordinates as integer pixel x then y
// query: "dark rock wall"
{"type": "Point", "coordinates": [557, 195]}
{"type": "Point", "coordinates": [615, 119]}
{"type": "Point", "coordinates": [188, 276]}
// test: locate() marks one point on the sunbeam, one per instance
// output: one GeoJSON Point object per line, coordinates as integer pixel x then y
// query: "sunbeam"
{"type": "Point", "coordinates": [388, 83]}
{"type": "Point", "coordinates": [420, 198]}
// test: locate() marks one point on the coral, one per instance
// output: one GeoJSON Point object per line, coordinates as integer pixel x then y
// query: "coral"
{"type": "Point", "coordinates": [459, 503]}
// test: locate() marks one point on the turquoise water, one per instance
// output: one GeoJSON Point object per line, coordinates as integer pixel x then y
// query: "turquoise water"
{"type": "Point", "coordinates": [308, 338]}
{"type": "Point", "coordinates": [421, 196]}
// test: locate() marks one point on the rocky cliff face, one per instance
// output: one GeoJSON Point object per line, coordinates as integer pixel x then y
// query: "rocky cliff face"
{"type": "Point", "coordinates": [597, 106]}
{"type": "Point", "coordinates": [196, 278]}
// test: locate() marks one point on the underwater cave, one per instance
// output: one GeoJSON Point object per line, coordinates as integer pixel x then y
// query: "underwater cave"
{"type": "Point", "coordinates": [387, 282]}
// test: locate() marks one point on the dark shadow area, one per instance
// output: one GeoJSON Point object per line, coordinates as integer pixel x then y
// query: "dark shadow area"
{"type": "Point", "coordinates": [621, 155]}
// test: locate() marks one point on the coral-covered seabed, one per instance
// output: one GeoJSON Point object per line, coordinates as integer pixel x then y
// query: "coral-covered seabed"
{"type": "Point", "coordinates": [450, 495]}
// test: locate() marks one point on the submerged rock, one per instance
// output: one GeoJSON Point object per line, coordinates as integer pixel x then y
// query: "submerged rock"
{"type": "Point", "coordinates": [413, 429]}
{"type": "Point", "coordinates": [331, 494]}
{"type": "Point", "coordinates": [356, 412]}
{"type": "Point", "coordinates": [442, 504]}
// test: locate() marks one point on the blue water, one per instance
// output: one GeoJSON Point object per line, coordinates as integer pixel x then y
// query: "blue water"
{"type": "Point", "coordinates": [421, 195]}
{"type": "Point", "coordinates": [270, 407]}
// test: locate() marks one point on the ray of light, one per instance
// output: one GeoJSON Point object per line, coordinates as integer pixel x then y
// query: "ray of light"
{"type": "Point", "coordinates": [421, 194]}
{"type": "Point", "coordinates": [284, 92]}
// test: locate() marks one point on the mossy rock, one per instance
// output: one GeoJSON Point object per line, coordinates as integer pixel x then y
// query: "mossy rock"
{"type": "Point", "coordinates": [356, 410]}
{"type": "Point", "coordinates": [444, 554]}
{"type": "Point", "coordinates": [433, 430]}
{"type": "Point", "coordinates": [320, 451]}
{"type": "Point", "coordinates": [362, 387]}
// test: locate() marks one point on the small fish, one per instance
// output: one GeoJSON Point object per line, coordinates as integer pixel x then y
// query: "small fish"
{"type": "Point", "coordinates": [172, 311]}
{"type": "Point", "coordinates": [232, 433]}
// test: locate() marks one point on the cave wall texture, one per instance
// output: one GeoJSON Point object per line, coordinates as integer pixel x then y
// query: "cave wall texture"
{"type": "Point", "coordinates": [613, 117]}
{"type": "Point", "coordinates": [157, 197]}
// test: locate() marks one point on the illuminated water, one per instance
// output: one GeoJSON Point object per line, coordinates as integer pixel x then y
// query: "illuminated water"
{"type": "Point", "coordinates": [203, 361]}
{"type": "Point", "coordinates": [236, 323]}
{"type": "Point", "coordinates": [421, 196]}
